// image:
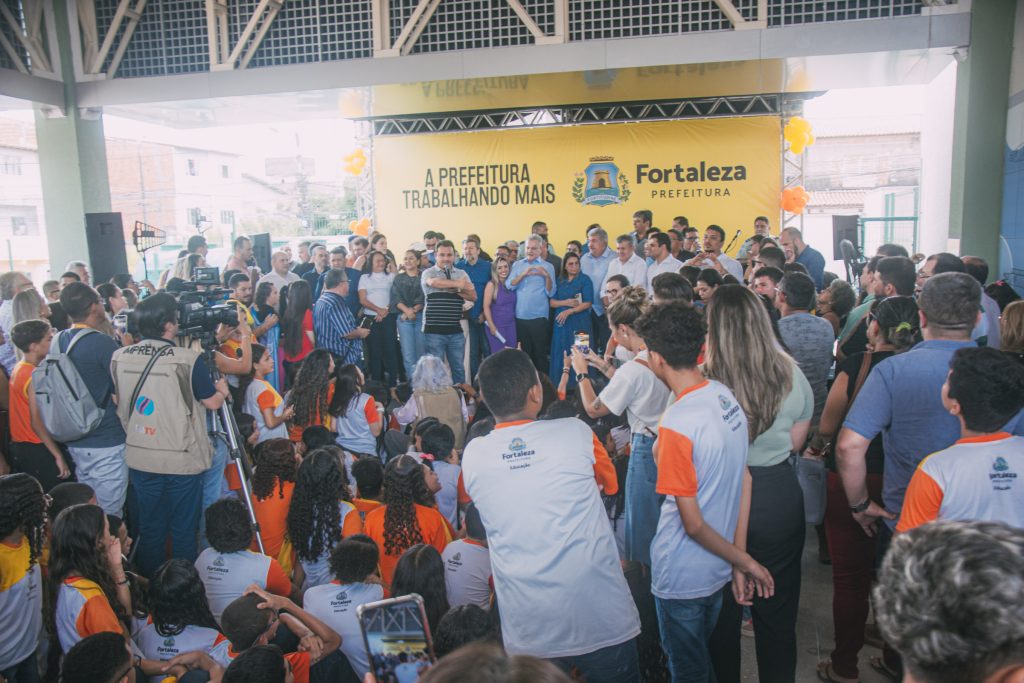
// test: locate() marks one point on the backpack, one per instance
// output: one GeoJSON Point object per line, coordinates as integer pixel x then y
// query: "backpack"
{"type": "Point", "coordinates": [65, 405]}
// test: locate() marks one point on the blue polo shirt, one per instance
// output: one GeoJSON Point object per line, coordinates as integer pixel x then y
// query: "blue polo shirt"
{"type": "Point", "coordinates": [479, 274]}
{"type": "Point", "coordinates": [902, 400]}
{"type": "Point", "coordinates": [596, 268]}
{"type": "Point", "coordinates": [532, 294]}
{"type": "Point", "coordinates": [811, 259]}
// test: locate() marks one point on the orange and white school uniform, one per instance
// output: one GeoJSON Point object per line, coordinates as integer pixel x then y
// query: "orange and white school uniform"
{"type": "Point", "coordinates": [318, 571]}
{"type": "Point", "coordinates": [258, 397]}
{"type": "Point", "coordinates": [977, 478]}
{"type": "Point", "coordinates": [28, 453]}
{"type": "Point", "coordinates": [152, 645]}
{"type": "Point", "coordinates": [272, 514]}
{"type": "Point", "coordinates": [467, 573]}
{"type": "Point", "coordinates": [365, 505]}
{"type": "Point", "coordinates": [299, 661]}
{"type": "Point", "coordinates": [82, 610]}
{"type": "Point", "coordinates": [433, 527]}
{"type": "Point", "coordinates": [21, 604]}
{"type": "Point", "coordinates": [226, 576]}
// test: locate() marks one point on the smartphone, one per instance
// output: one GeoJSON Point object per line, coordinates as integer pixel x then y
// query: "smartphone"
{"type": "Point", "coordinates": [121, 323]}
{"type": "Point", "coordinates": [582, 342]}
{"type": "Point", "coordinates": [397, 638]}
{"type": "Point", "coordinates": [366, 322]}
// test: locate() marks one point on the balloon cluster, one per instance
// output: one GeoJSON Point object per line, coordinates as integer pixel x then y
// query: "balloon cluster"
{"type": "Point", "coordinates": [794, 199]}
{"type": "Point", "coordinates": [360, 227]}
{"type": "Point", "coordinates": [798, 134]}
{"type": "Point", "coordinates": [355, 162]}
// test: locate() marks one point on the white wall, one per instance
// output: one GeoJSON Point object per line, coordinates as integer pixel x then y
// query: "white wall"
{"type": "Point", "coordinates": [937, 162]}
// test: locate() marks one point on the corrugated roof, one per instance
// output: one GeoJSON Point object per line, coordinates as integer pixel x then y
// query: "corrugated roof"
{"type": "Point", "coordinates": [837, 198]}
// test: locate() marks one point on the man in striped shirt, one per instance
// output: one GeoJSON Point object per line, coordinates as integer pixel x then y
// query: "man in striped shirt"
{"type": "Point", "coordinates": [445, 288]}
{"type": "Point", "coordinates": [333, 325]}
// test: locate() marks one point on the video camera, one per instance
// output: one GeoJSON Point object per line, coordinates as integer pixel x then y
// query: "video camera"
{"type": "Point", "coordinates": [199, 314]}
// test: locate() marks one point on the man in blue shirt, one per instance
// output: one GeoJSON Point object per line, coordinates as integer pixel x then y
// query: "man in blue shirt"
{"type": "Point", "coordinates": [792, 242]}
{"type": "Point", "coordinates": [594, 264]}
{"type": "Point", "coordinates": [338, 260]}
{"type": "Point", "coordinates": [479, 272]}
{"type": "Point", "coordinates": [533, 281]}
{"type": "Point", "coordinates": [333, 325]}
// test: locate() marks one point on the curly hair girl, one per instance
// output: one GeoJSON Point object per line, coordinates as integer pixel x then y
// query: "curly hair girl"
{"type": "Point", "coordinates": [315, 518]}
{"type": "Point", "coordinates": [275, 464]}
{"type": "Point", "coordinates": [23, 509]}
{"type": "Point", "coordinates": [177, 599]}
{"type": "Point", "coordinates": [404, 486]}
{"type": "Point", "coordinates": [310, 393]}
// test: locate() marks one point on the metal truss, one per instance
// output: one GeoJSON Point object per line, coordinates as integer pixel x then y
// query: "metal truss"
{"type": "Point", "coordinates": [792, 165]}
{"type": "Point", "coordinates": [224, 56]}
{"type": "Point", "coordinates": [533, 117]}
{"type": "Point", "coordinates": [736, 18]}
{"type": "Point", "coordinates": [35, 36]}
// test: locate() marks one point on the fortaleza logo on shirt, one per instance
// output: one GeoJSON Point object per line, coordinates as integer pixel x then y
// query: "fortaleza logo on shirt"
{"type": "Point", "coordinates": [341, 600]}
{"type": "Point", "coordinates": [601, 183]}
{"type": "Point", "coordinates": [219, 562]}
{"type": "Point", "coordinates": [169, 642]}
{"type": "Point", "coordinates": [1000, 465]}
{"type": "Point", "coordinates": [519, 456]}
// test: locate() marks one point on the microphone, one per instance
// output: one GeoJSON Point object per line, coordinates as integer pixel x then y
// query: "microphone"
{"type": "Point", "coordinates": [733, 241]}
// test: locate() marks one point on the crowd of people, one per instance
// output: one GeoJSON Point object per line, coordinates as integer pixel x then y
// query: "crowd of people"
{"type": "Point", "coordinates": [598, 465]}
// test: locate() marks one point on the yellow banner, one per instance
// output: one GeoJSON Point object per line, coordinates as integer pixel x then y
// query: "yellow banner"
{"type": "Point", "coordinates": [497, 183]}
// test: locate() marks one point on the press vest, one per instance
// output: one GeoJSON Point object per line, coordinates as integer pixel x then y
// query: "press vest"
{"type": "Point", "coordinates": [166, 433]}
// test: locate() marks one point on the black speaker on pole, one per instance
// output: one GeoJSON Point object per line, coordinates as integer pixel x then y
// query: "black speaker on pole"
{"type": "Point", "coordinates": [261, 251]}
{"type": "Point", "coordinates": [844, 228]}
{"type": "Point", "coordinates": [104, 234]}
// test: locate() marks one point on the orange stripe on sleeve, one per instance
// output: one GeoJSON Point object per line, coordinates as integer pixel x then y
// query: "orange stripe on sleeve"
{"type": "Point", "coordinates": [97, 617]}
{"type": "Point", "coordinates": [267, 399]}
{"type": "Point", "coordinates": [464, 498]}
{"type": "Point", "coordinates": [676, 474]}
{"type": "Point", "coordinates": [921, 503]}
{"type": "Point", "coordinates": [604, 470]}
{"type": "Point", "coordinates": [370, 410]}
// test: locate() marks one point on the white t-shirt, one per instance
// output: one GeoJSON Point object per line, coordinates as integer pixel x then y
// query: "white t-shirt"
{"type": "Point", "coordinates": [279, 281]}
{"type": "Point", "coordinates": [634, 388]}
{"type": "Point", "coordinates": [378, 289]}
{"type": "Point", "coordinates": [154, 646]}
{"type": "Point", "coordinates": [557, 574]}
{"type": "Point", "coordinates": [670, 265]}
{"type": "Point", "coordinates": [467, 573]}
{"type": "Point", "coordinates": [448, 496]}
{"type": "Point", "coordinates": [319, 571]}
{"type": "Point", "coordinates": [259, 395]}
{"type": "Point", "coordinates": [226, 576]}
{"type": "Point", "coordinates": [335, 605]}
{"type": "Point", "coordinates": [635, 270]}
{"type": "Point", "coordinates": [731, 265]}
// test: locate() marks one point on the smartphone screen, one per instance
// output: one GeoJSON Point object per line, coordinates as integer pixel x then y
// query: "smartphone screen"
{"type": "Point", "coordinates": [397, 638]}
{"type": "Point", "coordinates": [366, 322]}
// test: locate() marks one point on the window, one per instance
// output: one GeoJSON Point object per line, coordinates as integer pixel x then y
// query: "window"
{"type": "Point", "coordinates": [19, 226]}
{"type": "Point", "coordinates": [225, 172]}
{"type": "Point", "coordinates": [193, 167]}
{"type": "Point", "coordinates": [195, 216]}
{"type": "Point", "coordinates": [227, 217]}
{"type": "Point", "coordinates": [10, 165]}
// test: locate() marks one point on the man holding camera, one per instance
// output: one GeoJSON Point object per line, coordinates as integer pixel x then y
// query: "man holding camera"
{"type": "Point", "coordinates": [163, 392]}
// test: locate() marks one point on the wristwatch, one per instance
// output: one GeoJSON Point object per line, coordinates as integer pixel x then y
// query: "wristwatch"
{"type": "Point", "coordinates": [580, 376]}
{"type": "Point", "coordinates": [861, 507]}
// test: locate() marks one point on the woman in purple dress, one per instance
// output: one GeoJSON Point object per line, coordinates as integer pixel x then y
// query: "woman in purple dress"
{"type": "Point", "coordinates": [500, 308]}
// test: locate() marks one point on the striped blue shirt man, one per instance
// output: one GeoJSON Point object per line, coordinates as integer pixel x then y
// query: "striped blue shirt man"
{"type": "Point", "coordinates": [332, 323]}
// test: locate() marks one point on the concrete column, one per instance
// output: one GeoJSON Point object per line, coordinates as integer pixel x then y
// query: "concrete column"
{"type": "Point", "coordinates": [72, 163]}
{"type": "Point", "coordinates": [978, 131]}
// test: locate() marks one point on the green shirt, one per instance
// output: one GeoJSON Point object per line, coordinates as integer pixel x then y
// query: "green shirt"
{"type": "Point", "coordinates": [774, 445]}
{"type": "Point", "coordinates": [855, 316]}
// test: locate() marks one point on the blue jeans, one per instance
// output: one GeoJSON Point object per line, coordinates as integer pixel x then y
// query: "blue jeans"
{"type": "Point", "coordinates": [105, 470]}
{"type": "Point", "coordinates": [686, 627]}
{"type": "Point", "coordinates": [612, 664]}
{"type": "Point", "coordinates": [213, 483]}
{"type": "Point", "coordinates": [451, 347]}
{"type": "Point", "coordinates": [643, 504]}
{"type": "Point", "coordinates": [167, 503]}
{"type": "Point", "coordinates": [410, 336]}
{"type": "Point", "coordinates": [479, 347]}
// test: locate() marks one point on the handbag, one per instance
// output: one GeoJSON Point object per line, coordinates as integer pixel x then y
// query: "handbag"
{"type": "Point", "coordinates": [812, 473]}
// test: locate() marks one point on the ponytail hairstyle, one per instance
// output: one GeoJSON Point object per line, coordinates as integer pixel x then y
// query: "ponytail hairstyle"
{"type": "Point", "coordinates": [898, 321]}
{"type": "Point", "coordinates": [630, 305]}
{"type": "Point", "coordinates": [23, 508]}
{"type": "Point", "coordinates": [348, 384]}
{"type": "Point", "coordinates": [314, 519]}
{"type": "Point", "coordinates": [403, 486]}
{"type": "Point", "coordinates": [300, 300]}
{"type": "Point", "coordinates": [275, 464]}
{"type": "Point", "coordinates": [309, 392]}
{"type": "Point", "coordinates": [177, 599]}
{"type": "Point", "coordinates": [245, 380]}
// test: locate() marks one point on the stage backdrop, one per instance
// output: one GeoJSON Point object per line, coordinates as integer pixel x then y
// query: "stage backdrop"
{"type": "Point", "coordinates": [497, 183]}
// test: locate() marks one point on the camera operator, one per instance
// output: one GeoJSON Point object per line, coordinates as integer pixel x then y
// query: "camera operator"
{"type": "Point", "coordinates": [165, 419]}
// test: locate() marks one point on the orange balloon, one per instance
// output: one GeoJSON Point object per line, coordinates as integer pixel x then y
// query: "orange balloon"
{"type": "Point", "coordinates": [352, 225]}
{"type": "Point", "coordinates": [362, 228]}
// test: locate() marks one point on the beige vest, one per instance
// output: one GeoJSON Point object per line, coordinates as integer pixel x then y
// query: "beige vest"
{"type": "Point", "coordinates": [446, 407]}
{"type": "Point", "coordinates": [166, 433]}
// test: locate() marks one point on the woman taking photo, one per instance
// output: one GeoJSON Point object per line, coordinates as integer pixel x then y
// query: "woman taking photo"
{"type": "Point", "coordinates": [264, 304]}
{"type": "Point", "coordinates": [297, 339]}
{"type": "Point", "coordinates": [407, 304]}
{"type": "Point", "coordinates": [312, 394]}
{"type": "Point", "coordinates": [500, 308]}
{"type": "Point", "coordinates": [742, 354]}
{"type": "Point", "coordinates": [893, 327]}
{"type": "Point", "coordinates": [375, 297]}
{"type": "Point", "coordinates": [320, 515]}
{"type": "Point", "coordinates": [636, 391]}
{"type": "Point", "coordinates": [402, 522]}
{"type": "Point", "coordinates": [572, 300]}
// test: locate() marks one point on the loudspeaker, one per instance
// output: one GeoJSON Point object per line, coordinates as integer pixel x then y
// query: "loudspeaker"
{"type": "Point", "coordinates": [261, 251]}
{"type": "Point", "coordinates": [844, 228]}
{"type": "Point", "coordinates": [104, 234]}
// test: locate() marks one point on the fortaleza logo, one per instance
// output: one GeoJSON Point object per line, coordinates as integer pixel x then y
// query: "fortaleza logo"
{"type": "Point", "coordinates": [601, 183]}
{"type": "Point", "coordinates": [664, 177]}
